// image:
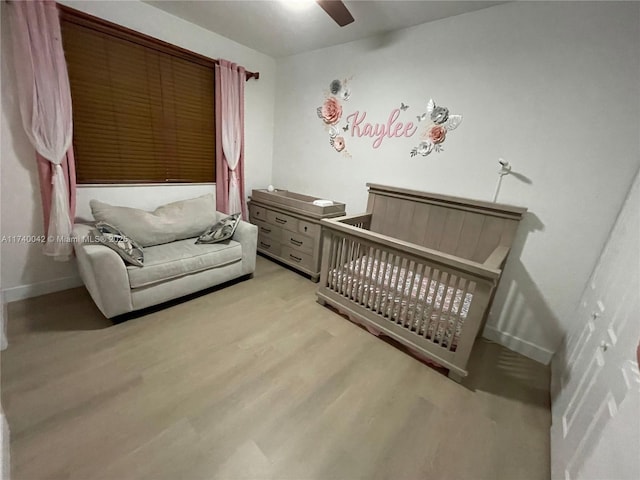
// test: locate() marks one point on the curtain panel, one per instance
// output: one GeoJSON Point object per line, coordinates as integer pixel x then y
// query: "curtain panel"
{"type": "Point", "coordinates": [44, 97]}
{"type": "Point", "coordinates": [229, 90]}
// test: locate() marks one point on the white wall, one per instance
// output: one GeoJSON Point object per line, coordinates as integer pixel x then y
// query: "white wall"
{"type": "Point", "coordinates": [25, 271]}
{"type": "Point", "coordinates": [552, 87]}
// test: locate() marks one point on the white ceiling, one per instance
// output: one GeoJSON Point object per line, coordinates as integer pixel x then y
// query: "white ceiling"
{"type": "Point", "coordinates": [274, 28]}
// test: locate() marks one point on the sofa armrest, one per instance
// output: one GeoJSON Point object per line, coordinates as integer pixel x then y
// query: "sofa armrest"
{"type": "Point", "coordinates": [103, 272]}
{"type": "Point", "coordinates": [247, 235]}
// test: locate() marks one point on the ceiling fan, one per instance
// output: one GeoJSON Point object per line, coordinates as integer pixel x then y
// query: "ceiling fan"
{"type": "Point", "coordinates": [337, 10]}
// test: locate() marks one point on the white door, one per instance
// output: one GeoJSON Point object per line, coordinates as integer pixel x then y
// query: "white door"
{"type": "Point", "coordinates": [596, 370]}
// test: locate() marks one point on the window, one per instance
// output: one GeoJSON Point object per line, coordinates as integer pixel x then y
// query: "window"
{"type": "Point", "coordinates": [143, 110]}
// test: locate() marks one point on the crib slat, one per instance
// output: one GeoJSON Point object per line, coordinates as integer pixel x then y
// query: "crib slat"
{"type": "Point", "coordinates": [378, 276]}
{"type": "Point", "coordinates": [439, 300]}
{"type": "Point", "coordinates": [341, 266]}
{"type": "Point", "coordinates": [329, 246]}
{"type": "Point", "coordinates": [337, 241]}
{"type": "Point", "coordinates": [405, 295]}
{"type": "Point", "coordinates": [416, 282]}
{"type": "Point", "coordinates": [432, 286]}
{"type": "Point", "coordinates": [398, 293]}
{"type": "Point", "coordinates": [408, 293]}
{"type": "Point", "coordinates": [359, 278]}
{"type": "Point", "coordinates": [384, 261]}
{"type": "Point", "coordinates": [451, 321]}
{"type": "Point", "coordinates": [421, 303]}
{"type": "Point", "coordinates": [396, 301]}
{"type": "Point", "coordinates": [448, 297]}
{"type": "Point", "coordinates": [338, 264]}
{"type": "Point", "coordinates": [459, 317]}
{"type": "Point", "coordinates": [333, 265]}
{"type": "Point", "coordinates": [370, 286]}
{"type": "Point", "coordinates": [351, 267]}
{"type": "Point", "coordinates": [355, 271]}
{"type": "Point", "coordinates": [393, 290]}
{"type": "Point", "coordinates": [390, 279]}
{"type": "Point", "coordinates": [366, 274]}
{"type": "Point", "coordinates": [435, 305]}
{"type": "Point", "coordinates": [358, 283]}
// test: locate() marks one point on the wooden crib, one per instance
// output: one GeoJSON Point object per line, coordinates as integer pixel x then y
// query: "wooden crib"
{"type": "Point", "coordinates": [420, 268]}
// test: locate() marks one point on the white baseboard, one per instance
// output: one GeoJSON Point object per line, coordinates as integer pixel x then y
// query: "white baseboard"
{"type": "Point", "coordinates": [21, 292]}
{"type": "Point", "coordinates": [523, 347]}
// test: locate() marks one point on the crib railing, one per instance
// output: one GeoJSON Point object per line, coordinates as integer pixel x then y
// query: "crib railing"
{"type": "Point", "coordinates": [362, 220]}
{"type": "Point", "coordinates": [432, 302]}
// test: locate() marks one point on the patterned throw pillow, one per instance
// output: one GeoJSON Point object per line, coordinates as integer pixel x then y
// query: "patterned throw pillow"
{"type": "Point", "coordinates": [113, 238]}
{"type": "Point", "coordinates": [223, 230]}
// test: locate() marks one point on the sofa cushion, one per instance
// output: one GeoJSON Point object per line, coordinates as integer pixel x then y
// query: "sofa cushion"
{"type": "Point", "coordinates": [183, 257]}
{"type": "Point", "coordinates": [174, 221]}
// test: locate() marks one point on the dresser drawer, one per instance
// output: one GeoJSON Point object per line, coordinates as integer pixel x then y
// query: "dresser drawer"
{"type": "Point", "coordinates": [257, 213]}
{"type": "Point", "coordinates": [282, 220]}
{"type": "Point", "coordinates": [268, 244]}
{"type": "Point", "coordinates": [268, 230]}
{"type": "Point", "coordinates": [308, 228]}
{"type": "Point", "coordinates": [298, 242]}
{"type": "Point", "coordinates": [297, 257]}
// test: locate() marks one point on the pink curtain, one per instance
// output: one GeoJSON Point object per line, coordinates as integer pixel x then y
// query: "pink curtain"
{"type": "Point", "coordinates": [45, 106]}
{"type": "Point", "coordinates": [229, 90]}
{"type": "Point", "coordinates": [45, 173]}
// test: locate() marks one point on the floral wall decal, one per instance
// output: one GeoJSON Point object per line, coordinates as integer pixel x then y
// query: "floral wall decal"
{"type": "Point", "coordinates": [330, 112]}
{"type": "Point", "coordinates": [435, 132]}
{"type": "Point", "coordinates": [439, 122]}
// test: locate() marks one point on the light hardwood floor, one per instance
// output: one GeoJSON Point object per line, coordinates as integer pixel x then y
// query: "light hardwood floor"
{"type": "Point", "coordinates": [256, 381]}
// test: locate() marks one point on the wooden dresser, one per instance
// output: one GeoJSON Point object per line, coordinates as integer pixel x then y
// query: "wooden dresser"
{"type": "Point", "coordinates": [289, 227]}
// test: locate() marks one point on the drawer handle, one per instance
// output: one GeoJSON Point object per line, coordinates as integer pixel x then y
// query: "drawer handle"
{"type": "Point", "coordinates": [266, 230]}
{"type": "Point", "coordinates": [265, 245]}
{"type": "Point", "coordinates": [297, 243]}
{"type": "Point", "coordinates": [281, 220]}
{"type": "Point", "coordinates": [297, 259]}
{"type": "Point", "coordinates": [305, 229]}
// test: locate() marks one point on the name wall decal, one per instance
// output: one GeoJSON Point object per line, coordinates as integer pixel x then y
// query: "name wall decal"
{"type": "Point", "coordinates": [439, 121]}
{"type": "Point", "coordinates": [379, 131]}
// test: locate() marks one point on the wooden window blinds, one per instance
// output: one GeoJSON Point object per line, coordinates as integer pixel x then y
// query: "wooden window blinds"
{"type": "Point", "coordinates": [140, 113]}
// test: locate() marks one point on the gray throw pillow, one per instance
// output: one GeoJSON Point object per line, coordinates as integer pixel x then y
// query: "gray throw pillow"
{"type": "Point", "coordinates": [117, 241]}
{"type": "Point", "coordinates": [221, 231]}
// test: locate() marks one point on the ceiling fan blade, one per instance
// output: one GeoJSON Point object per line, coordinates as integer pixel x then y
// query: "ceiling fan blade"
{"type": "Point", "coordinates": [337, 10]}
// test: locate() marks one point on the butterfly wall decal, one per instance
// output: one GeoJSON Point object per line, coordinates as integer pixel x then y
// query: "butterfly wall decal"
{"type": "Point", "coordinates": [346, 127]}
{"type": "Point", "coordinates": [403, 107]}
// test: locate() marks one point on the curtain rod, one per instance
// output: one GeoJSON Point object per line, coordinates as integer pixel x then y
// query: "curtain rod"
{"type": "Point", "coordinates": [90, 21]}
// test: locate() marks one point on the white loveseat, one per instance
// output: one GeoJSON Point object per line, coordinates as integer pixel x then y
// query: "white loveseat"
{"type": "Point", "coordinates": [171, 270]}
